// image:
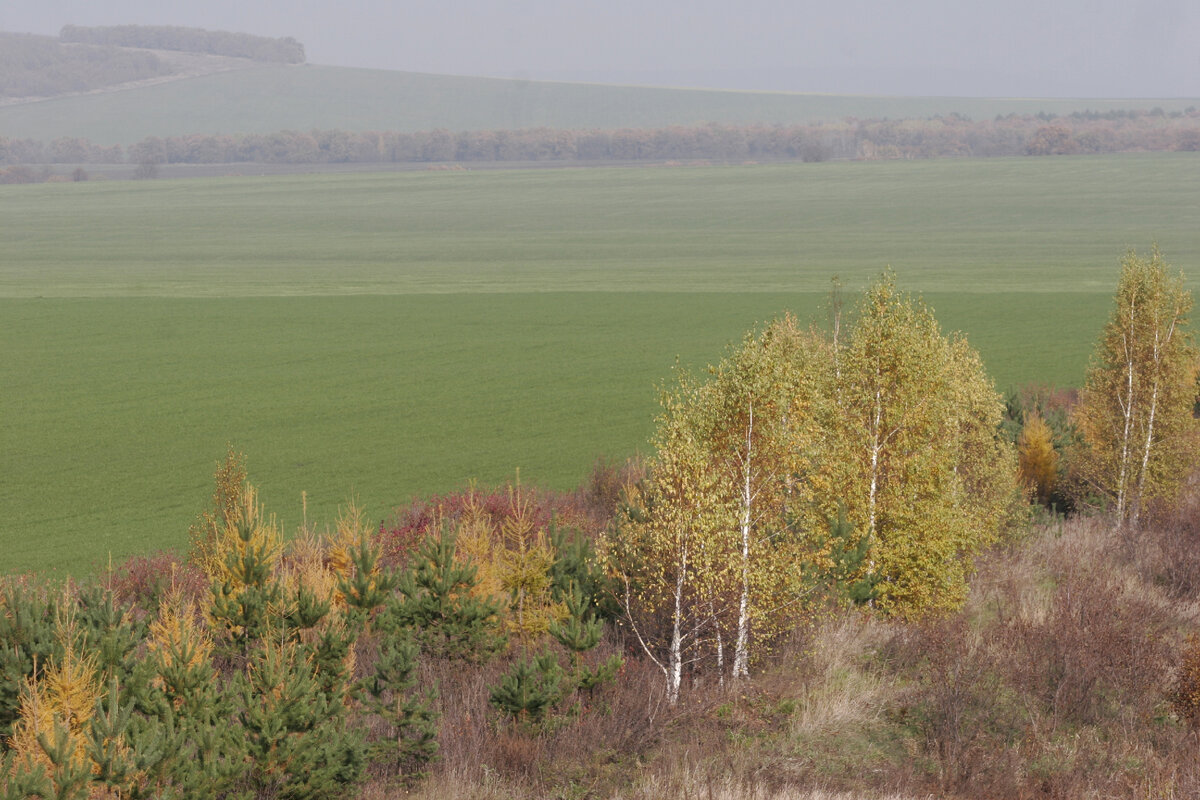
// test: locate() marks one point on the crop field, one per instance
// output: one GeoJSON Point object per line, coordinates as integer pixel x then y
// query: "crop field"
{"type": "Point", "coordinates": [270, 98]}
{"type": "Point", "coordinates": [381, 336]}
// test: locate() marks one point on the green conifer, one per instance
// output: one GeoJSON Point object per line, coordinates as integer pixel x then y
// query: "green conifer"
{"type": "Point", "coordinates": [435, 603]}
{"type": "Point", "coordinates": [530, 689]}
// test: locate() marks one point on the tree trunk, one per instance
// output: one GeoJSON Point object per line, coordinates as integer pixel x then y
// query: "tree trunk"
{"type": "Point", "coordinates": [741, 657]}
{"type": "Point", "coordinates": [1127, 411]}
{"type": "Point", "coordinates": [675, 656]}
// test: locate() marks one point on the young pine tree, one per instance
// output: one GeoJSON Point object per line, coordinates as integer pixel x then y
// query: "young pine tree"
{"type": "Point", "coordinates": [435, 604]}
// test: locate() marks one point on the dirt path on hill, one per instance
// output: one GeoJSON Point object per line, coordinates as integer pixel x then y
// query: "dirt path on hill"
{"type": "Point", "coordinates": [185, 65]}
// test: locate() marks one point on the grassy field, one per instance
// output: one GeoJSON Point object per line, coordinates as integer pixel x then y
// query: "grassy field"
{"type": "Point", "coordinates": [389, 335]}
{"type": "Point", "coordinates": [271, 98]}
{"type": "Point", "coordinates": [1049, 224]}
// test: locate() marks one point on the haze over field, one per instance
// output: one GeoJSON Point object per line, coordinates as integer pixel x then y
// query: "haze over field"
{"type": "Point", "coordinates": [1080, 48]}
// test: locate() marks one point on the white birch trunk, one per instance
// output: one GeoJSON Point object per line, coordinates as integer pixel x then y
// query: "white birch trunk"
{"type": "Point", "coordinates": [1127, 410]}
{"type": "Point", "coordinates": [876, 448]}
{"type": "Point", "coordinates": [712, 611]}
{"type": "Point", "coordinates": [1156, 364]}
{"type": "Point", "coordinates": [741, 650]}
{"type": "Point", "coordinates": [675, 655]}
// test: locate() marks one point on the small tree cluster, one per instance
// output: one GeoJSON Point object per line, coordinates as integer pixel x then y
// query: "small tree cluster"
{"type": "Point", "coordinates": [890, 429]}
{"type": "Point", "coordinates": [1136, 411]}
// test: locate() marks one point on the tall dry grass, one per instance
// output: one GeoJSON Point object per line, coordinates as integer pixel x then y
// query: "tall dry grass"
{"type": "Point", "coordinates": [1058, 679]}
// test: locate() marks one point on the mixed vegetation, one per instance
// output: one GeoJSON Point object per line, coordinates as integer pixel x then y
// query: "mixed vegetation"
{"type": "Point", "coordinates": [845, 564]}
{"type": "Point", "coordinates": [826, 562]}
{"type": "Point", "coordinates": [41, 66]}
{"type": "Point", "coordinates": [1042, 135]}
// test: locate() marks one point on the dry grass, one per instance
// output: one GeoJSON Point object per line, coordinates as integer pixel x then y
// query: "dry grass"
{"type": "Point", "coordinates": [1055, 681]}
{"type": "Point", "coordinates": [838, 691]}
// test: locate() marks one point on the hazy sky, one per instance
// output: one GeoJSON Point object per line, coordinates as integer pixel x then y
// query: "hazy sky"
{"type": "Point", "coordinates": [1144, 48]}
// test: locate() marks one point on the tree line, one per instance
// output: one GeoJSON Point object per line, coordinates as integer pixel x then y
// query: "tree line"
{"type": "Point", "coordinates": [952, 136]}
{"type": "Point", "coordinates": [194, 40]}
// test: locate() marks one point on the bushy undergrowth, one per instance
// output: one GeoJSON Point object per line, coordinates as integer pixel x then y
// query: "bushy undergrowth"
{"type": "Point", "coordinates": [1071, 672]}
{"type": "Point", "coordinates": [259, 668]}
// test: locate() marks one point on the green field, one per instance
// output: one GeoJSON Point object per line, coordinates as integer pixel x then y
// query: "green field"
{"type": "Point", "coordinates": [389, 335]}
{"type": "Point", "coordinates": [271, 98]}
{"type": "Point", "coordinates": [1048, 224]}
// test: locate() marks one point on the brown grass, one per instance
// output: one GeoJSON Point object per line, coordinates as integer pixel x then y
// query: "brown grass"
{"type": "Point", "coordinates": [1058, 679]}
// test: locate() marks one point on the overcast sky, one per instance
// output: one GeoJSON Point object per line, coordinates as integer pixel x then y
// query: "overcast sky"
{"type": "Point", "coordinates": [1088, 48]}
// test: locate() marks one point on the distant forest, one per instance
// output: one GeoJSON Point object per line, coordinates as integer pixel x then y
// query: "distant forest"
{"type": "Point", "coordinates": [42, 66]}
{"type": "Point", "coordinates": [939, 137]}
{"type": "Point", "coordinates": [82, 59]}
{"type": "Point", "coordinates": [193, 40]}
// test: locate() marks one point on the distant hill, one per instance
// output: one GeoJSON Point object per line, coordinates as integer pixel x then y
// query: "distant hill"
{"type": "Point", "coordinates": [192, 40]}
{"type": "Point", "coordinates": [263, 98]}
{"type": "Point", "coordinates": [42, 66]}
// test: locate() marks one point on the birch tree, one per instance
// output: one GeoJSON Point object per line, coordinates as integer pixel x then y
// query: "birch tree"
{"type": "Point", "coordinates": [912, 449]}
{"type": "Point", "coordinates": [663, 552]}
{"type": "Point", "coordinates": [758, 416]}
{"type": "Point", "coordinates": [1136, 410]}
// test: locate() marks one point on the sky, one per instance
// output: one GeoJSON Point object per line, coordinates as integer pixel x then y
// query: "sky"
{"type": "Point", "coordinates": [1014, 48]}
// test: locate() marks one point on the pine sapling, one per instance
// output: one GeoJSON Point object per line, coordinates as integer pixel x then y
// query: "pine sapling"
{"type": "Point", "coordinates": [434, 601]}
{"type": "Point", "coordinates": [411, 723]}
{"type": "Point", "coordinates": [530, 689]}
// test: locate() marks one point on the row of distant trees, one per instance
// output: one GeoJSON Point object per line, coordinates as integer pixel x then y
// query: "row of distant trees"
{"type": "Point", "coordinates": [850, 139]}
{"type": "Point", "coordinates": [195, 40]}
{"type": "Point", "coordinates": [40, 66]}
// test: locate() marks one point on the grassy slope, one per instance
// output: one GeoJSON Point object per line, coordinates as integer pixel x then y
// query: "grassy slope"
{"type": "Point", "coordinates": [116, 405]}
{"type": "Point", "coordinates": [271, 98]}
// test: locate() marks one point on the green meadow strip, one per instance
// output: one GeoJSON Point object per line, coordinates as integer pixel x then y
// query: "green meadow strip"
{"type": "Point", "coordinates": [115, 410]}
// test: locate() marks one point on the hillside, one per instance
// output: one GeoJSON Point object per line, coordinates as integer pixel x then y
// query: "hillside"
{"type": "Point", "coordinates": [41, 66]}
{"type": "Point", "coordinates": [271, 97]}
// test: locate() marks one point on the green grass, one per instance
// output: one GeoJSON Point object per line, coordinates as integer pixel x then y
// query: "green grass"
{"type": "Point", "coordinates": [390, 335]}
{"type": "Point", "coordinates": [1049, 224]}
{"type": "Point", "coordinates": [271, 98]}
{"type": "Point", "coordinates": [115, 410]}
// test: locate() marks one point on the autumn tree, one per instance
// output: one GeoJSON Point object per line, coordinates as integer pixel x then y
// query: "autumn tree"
{"type": "Point", "coordinates": [912, 448]}
{"type": "Point", "coordinates": [1136, 410]}
{"type": "Point", "coordinates": [757, 418]}
{"type": "Point", "coordinates": [663, 549]}
{"type": "Point", "coordinates": [1036, 458]}
{"type": "Point", "coordinates": [709, 542]}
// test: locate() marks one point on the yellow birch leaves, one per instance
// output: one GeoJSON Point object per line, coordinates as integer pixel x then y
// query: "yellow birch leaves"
{"type": "Point", "coordinates": [1136, 410]}
{"type": "Point", "coordinates": [891, 423]}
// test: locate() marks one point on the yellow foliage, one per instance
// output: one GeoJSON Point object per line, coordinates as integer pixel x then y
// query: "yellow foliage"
{"type": "Point", "coordinates": [177, 624]}
{"type": "Point", "coordinates": [205, 533]}
{"type": "Point", "coordinates": [525, 564]}
{"type": "Point", "coordinates": [1037, 459]}
{"type": "Point", "coordinates": [67, 693]}
{"type": "Point", "coordinates": [511, 561]}
{"type": "Point", "coordinates": [913, 453]}
{"type": "Point", "coordinates": [349, 531]}
{"type": "Point", "coordinates": [263, 536]}
{"type": "Point", "coordinates": [1136, 409]}
{"type": "Point", "coordinates": [477, 541]}
{"type": "Point", "coordinates": [308, 565]}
